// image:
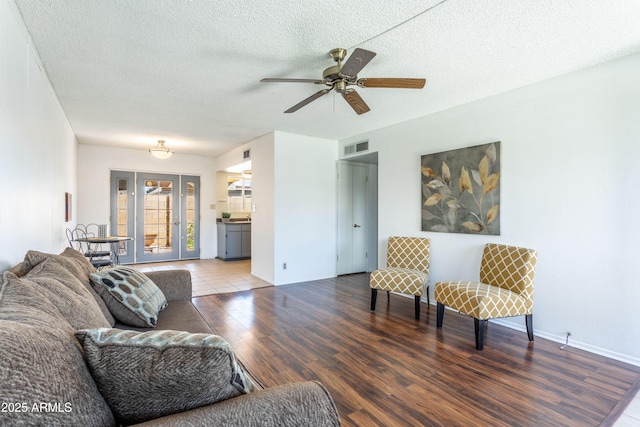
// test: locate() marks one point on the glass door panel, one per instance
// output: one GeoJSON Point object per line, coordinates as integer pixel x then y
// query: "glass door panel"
{"type": "Point", "coordinates": [158, 212]}
{"type": "Point", "coordinates": [190, 226]}
{"type": "Point", "coordinates": [122, 218]}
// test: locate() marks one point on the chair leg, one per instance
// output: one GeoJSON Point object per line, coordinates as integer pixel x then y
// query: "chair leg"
{"type": "Point", "coordinates": [529, 321]}
{"type": "Point", "coordinates": [479, 327]}
{"type": "Point", "coordinates": [388, 295]}
{"type": "Point", "coordinates": [417, 299]}
{"type": "Point", "coordinates": [440, 315]}
{"type": "Point", "coordinates": [374, 296]}
{"type": "Point", "coordinates": [428, 300]}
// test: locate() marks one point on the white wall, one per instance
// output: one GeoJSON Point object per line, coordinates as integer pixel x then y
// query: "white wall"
{"type": "Point", "coordinates": [293, 190]}
{"type": "Point", "coordinates": [305, 208]}
{"type": "Point", "coordinates": [94, 169]}
{"type": "Point", "coordinates": [570, 179]}
{"type": "Point", "coordinates": [262, 195]}
{"type": "Point", "coordinates": [263, 219]}
{"type": "Point", "coordinates": [38, 161]}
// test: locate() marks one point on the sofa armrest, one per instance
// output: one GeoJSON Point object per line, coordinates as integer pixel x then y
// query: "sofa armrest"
{"type": "Point", "coordinates": [296, 405]}
{"type": "Point", "coordinates": [175, 284]}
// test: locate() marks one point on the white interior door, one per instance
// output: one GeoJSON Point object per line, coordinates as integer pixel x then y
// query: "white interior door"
{"type": "Point", "coordinates": [352, 218]}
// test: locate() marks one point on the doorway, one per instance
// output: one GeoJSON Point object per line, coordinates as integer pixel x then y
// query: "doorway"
{"type": "Point", "coordinates": [357, 234]}
{"type": "Point", "coordinates": [161, 212]}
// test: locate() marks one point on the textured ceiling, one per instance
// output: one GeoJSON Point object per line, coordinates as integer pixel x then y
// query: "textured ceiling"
{"type": "Point", "coordinates": [129, 72]}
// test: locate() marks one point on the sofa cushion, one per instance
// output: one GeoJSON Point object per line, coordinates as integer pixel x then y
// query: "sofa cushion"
{"type": "Point", "coordinates": [179, 315]}
{"type": "Point", "coordinates": [174, 284]}
{"type": "Point", "coordinates": [74, 302]}
{"type": "Point", "coordinates": [76, 263]}
{"type": "Point", "coordinates": [300, 404]}
{"type": "Point", "coordinates": [73, 260]}
{"type": "Point", "coordinates": [145, 375]}
{"type": "Point", "coordinates": [131, 296]}
{"type": "Point", "coordinates": [41, 363]}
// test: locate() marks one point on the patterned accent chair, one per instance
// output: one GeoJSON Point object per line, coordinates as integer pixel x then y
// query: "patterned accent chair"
{"type": "Point", "coordinates": [505, 289]}
{"type": "Point", "coordinates": [407, 270]}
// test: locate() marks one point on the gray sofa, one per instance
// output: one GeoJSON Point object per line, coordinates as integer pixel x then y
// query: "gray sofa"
{"type": "Point", "coordinates": [54, 371]}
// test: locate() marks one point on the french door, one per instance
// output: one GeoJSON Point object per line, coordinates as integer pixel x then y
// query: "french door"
{"type": "Point", "coordinates": [158, 217]}
{"type": "Point", "coordinates": [160, 211]}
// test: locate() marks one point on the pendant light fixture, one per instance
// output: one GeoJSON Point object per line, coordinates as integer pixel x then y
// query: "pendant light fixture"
{"type": "Point", "coordinates": [161, 152]}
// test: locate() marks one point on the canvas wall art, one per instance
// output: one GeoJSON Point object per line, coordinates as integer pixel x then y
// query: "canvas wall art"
{"type": "Point", "coordinates": [461, 190]}
{"type": "Point", "coordinates": [67, 207]}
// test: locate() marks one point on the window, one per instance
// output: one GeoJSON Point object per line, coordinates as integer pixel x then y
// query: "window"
{"type": "Point", "coordinates": [239, 193]}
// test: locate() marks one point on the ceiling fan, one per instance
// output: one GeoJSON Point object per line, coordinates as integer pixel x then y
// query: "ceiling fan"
{"type": "Point", "coordinates": [341, 76]}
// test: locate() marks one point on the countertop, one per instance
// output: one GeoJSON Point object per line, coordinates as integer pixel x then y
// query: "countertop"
{"type": "Point", "coordinates": [234, 221]}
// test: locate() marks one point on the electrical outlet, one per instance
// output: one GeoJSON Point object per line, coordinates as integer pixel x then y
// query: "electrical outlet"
{"type": "Point", "coordinates": [284, 265]}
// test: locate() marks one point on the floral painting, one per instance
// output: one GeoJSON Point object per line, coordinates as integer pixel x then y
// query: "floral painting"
{"type": "Point", "coordinates": [461, 190]}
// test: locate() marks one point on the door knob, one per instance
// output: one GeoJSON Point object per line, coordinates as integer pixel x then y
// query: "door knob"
{"type": "Point", "coordinates": [356, 226]}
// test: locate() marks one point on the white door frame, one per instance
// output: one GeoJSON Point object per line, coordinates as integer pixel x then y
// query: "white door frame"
{"type": "Point", "coordinates": [345, 222]}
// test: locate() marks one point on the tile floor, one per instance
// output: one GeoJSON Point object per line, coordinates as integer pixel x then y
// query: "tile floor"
{"type": "Point", "coordinates": [212, 276]}
{"type": "Point", "coordinates": [631, 415]}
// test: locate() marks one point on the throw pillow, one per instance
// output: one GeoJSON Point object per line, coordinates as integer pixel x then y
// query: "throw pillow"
{"type": "Point", "coordinates": [131, 296]}
{"type": "Point", "coordinates": [73, 260]}
{"type": "Point", "coordinates": [76, 263]}
{"type": "Point", "coordinates": [72, 299]}
{"type": "Point", "coordinates": [146, 375]}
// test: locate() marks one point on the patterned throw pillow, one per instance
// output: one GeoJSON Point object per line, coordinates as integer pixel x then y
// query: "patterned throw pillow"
{"type": "Point", "coordinates": [131, 296]}
{"type": "Point", "coordinates": [146, 375]}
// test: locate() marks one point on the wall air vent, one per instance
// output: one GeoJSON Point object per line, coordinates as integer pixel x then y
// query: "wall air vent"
{"type": "Point", "coordinates": [246, 154]}
{"type": "Point", "coordinates": [362, 146]}
{"type": "Point", "coordinates": [356, 148]}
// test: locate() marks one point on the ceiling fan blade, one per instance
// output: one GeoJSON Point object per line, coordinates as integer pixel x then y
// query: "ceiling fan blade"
{"type": "Point", "coordinates": [356, 102]}
{"type": "Point", "coordinates": [356, 62]}
{"type": "Point", "coordinates": [277, 80]}
{"type": "Point", "coordinates": [392, 83]}
{"type": "Point", "coordinates": [313, 97]}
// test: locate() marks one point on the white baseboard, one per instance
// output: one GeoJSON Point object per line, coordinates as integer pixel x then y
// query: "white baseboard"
{"type": "Point", "coordinates": [262, 278]}
{"type": "Point", "coordinates": [561, 339]}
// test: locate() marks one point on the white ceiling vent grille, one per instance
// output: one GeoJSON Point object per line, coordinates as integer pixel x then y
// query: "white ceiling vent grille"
{"type": "Point", "coordinates": [356, 148]}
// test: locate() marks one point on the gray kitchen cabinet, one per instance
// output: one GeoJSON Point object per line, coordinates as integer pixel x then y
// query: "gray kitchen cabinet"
{"type": "Point", "coordinates": [234, 240]}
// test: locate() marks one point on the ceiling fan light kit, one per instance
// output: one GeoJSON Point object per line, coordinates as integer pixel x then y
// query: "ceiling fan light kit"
{"type": "Point", "coordinates": [340, 76]}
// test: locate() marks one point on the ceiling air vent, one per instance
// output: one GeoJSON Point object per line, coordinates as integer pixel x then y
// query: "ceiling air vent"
{"type": "Point", "coordinates": [356, 148]}
{"type": "Point", "coordinates": [246, 154]}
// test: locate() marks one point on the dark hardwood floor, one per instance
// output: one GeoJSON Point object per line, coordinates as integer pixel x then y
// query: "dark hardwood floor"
{"type": "Point", "coordinates": [385, 368]}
